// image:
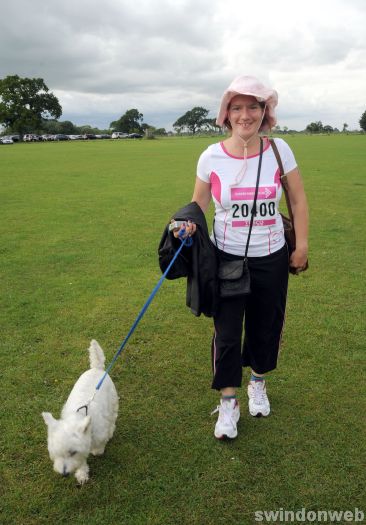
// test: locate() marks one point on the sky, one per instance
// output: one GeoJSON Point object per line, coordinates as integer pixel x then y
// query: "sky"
{"type": "Point", "coordinates": [163, 57]}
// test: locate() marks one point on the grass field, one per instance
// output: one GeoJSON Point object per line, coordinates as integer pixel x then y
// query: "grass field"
{"type": "Point", "coordinates": [80, 225]}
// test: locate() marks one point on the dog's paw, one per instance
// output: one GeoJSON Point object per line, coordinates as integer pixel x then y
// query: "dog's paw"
{"type": "Point", "coordinates": [82, 474]}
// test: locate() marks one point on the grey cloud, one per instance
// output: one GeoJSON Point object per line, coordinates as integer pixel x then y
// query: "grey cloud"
{"type": "Point", "coordinates": [166, 56]}
{"type": "Point", "coordinates": [311, 50]}
{"type": "Point", "coordinates": [106, 47]}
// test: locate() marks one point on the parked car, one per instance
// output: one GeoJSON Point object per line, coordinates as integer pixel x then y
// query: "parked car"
{"type": "Point", "coordinates": [6, 140]}
{"type": "Point", "coordinates": [89, 136]}
{"type": "Point", "coordinates": [60, 136]}
{"type": "Point", "coordinates": [47, 137]}
{"type": "Point", "coordinates": [134, 136]}
{"type": "Point", "coordinates": [119, 135]}
{"type": "Point", "coordinates": [31, 137]}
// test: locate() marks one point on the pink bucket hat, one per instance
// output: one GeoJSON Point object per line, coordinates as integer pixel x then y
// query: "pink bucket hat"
{"type": "Point", "coordinates": [244, 85]}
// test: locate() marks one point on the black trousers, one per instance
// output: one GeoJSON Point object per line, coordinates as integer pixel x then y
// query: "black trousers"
{"type": "Point", "coordinates": [262, 312]}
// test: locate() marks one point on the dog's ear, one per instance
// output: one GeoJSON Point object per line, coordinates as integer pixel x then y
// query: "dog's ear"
{"type": "Point", "coordinates": [48, 418]}
{"type": "Point", "coordinates": [85, 424]}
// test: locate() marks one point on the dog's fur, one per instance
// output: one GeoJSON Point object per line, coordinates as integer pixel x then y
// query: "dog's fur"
{"type": "Point", "coordinates": [75, 435]}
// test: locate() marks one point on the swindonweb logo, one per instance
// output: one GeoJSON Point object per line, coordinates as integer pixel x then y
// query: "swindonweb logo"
{"type": "Point", "coordinates": [309, 516]}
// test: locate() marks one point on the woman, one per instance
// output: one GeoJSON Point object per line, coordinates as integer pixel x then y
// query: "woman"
{"type": "Point", "coordinates": [227, 172]}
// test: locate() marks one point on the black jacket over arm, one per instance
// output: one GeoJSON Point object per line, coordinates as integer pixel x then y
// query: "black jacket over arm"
{"type": "Point", "coordinates": [198, 263]}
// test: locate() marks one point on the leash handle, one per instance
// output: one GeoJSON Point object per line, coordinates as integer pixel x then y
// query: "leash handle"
{"type": "Point", "coordinates": [146, 306]}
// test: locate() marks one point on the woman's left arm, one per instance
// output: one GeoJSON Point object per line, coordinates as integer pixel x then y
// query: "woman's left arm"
{"type": "Point", "coordinates": [299, 207]}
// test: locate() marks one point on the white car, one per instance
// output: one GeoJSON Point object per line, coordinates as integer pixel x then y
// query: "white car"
{"type": "Point", "coordinates": [30, 137]}
{"type": "Point", "coordinates": [5, 140]}
{"type": "Point", "coordinates": [119, 135]}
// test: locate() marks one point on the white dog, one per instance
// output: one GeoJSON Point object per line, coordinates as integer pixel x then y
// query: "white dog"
{"type": "Point", "coordinates": [84, 427]}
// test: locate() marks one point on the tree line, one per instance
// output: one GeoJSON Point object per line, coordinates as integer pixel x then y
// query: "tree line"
{"type": "Point", "coordinates": [318, 127]}
{"type": "Point", "coordinates": [27, 105]}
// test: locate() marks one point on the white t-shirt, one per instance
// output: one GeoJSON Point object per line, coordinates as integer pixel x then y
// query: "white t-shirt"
{"type": "Point", "coordinates": [233, 196]}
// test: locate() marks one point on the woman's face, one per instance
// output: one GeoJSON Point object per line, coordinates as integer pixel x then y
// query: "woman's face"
{"type": "Point", "coordinates": [245, 116]}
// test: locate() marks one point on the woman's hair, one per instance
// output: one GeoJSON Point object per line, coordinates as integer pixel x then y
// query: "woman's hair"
{"type": "Point", "coordinates": [265, 122]}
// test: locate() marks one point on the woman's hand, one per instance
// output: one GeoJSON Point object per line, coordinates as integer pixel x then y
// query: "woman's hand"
{"type": "Point", "coordinates": [298, 259]}
{"type": "Point", "coordinates": [189, 229]}
{"type": "Point", "coordinates": [299, 207]}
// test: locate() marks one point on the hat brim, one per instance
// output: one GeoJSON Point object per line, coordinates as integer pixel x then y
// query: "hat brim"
{"type": "Point", "coordinates": [270, 98]}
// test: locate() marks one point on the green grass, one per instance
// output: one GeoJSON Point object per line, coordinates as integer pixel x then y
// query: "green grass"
{"type": "Point", "coordinates": [80, 225]}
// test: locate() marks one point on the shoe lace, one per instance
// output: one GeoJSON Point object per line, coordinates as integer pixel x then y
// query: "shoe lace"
{"type": "Point", "coordinates": [225, 413]}
{"type": "Point", "coordinates": [259, 392]}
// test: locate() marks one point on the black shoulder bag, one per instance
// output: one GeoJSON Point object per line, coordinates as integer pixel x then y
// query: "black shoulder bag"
{"type": "Point", "coordinates": [234, 276]}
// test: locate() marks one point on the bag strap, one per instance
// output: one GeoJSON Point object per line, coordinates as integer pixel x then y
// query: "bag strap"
{"type": "Point", "coordinates": [254, 208]}
{"type": "Point", "coordinates": [283, 178]}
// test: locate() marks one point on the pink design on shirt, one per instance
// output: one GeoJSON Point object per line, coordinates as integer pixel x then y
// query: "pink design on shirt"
{"type": "Point", "coordinates": [215, 186]}
{"type": "Point", "coordinates": [277, 178]}
{"type": "Point", "coordinates": [257, 222]}
{"type": "Point", "coordinates": [276, 237]}
{"type": "Point", "coordinates": [245, 194]}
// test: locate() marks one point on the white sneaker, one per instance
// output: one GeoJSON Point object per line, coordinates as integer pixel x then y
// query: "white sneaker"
{"type": "Point", "coordinates": [258, 400]}
{"type": "Point", "coordinates": [229, 414]}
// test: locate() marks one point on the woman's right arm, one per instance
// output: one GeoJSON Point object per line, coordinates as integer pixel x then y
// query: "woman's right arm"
{"type": "Point", "coordinates": [202, 194]}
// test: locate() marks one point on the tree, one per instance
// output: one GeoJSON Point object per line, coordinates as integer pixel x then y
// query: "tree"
{"type": "Point", "coordinates": [130, 122]}
{"type": "Point", "coordinates": [87, 128]}
{"type": "Point", "coordinates": [67, 127]}
{"type": "Point", "coordinates": [25, 103]}
{"type": "Point", "coordinates": [54, 127]}
{"type": "Point", "coordinates": [160, 131]}
{"type": "Point", "coordinates": [193, 120]}
{"type": "Point", "coordinates": [147, 127]}
{"type": "Point", "coordinates": [210, 125]}
{"type": "Point", "coordinates": [345, 126]}
{"type": "Point", "coordinates": [328, 129]}
{"type": "Point", "coordinates": [315, 127]}
{"type": "Point", "coordinates": [363, 121]}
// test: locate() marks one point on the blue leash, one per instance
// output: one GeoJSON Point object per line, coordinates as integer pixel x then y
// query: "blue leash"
{"type": "Point", "coordinates": [187, 241]}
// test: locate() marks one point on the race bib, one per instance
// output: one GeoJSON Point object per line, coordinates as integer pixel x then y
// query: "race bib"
{"type": "Point", "coordinates": [242, 203]}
